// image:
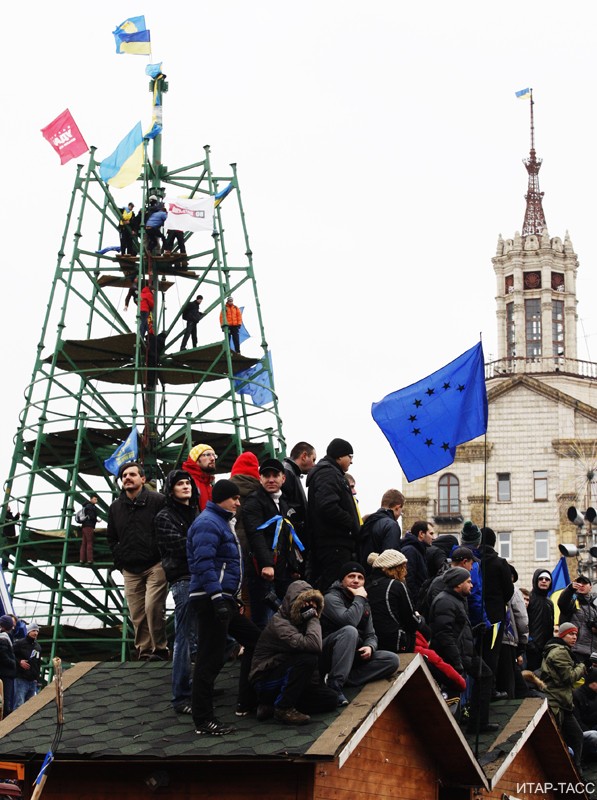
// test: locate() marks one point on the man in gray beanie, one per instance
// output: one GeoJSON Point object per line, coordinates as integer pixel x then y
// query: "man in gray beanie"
{"type": "Point", "coordinates": [333, 518]}
{"type": "Point", "coordinates": [27, 652]}
{"type": "Point", "coordinates": [452, 639]}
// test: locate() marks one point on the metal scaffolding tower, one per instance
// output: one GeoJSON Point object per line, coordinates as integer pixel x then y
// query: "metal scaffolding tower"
{"type": "Point", "coordinates": [96, 378]}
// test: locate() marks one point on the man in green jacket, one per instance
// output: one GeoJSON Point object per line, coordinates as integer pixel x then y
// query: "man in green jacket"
{"type": "Point", "coordinates": [560, 672]}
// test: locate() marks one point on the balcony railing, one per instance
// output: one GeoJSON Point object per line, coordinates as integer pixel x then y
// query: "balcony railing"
{"type": "Point", "coordinates": [541, 365]}
{"type": "Point", "coordinates": [447, 511]}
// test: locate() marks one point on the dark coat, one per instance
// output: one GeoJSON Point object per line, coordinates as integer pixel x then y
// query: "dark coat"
{"type": "Point", "coordinates": [90, 515]}
{"type": "Point", "coordinates": [342, 608]}
{"type": "Point", "coordinates": [131, 534]}
{"type": "Point", "coordinates": [379, 532]}
{"type": "Point", "coordinates": [287, 632]}
{"type": "Point", "coordinates": [451, 634]}
{"type": "Point", "coordinates": [581, 611]}
{"type": "Point", "coordinates": [28, 649]}
{"type": "Point", "coordinates": [541, 617]}
{"type": "Point", "coordinates": [497, 583]}
{"type": "Point", "coordinates": [294, 493]}
{"type": "Point", "coordinates": [214, 554]}
{"type": "Point", "coordinates": [415, 551]}
{"type": "Point", "coordinates": [258, 508]}
{"type": "Point", "coordinates": [585, 707]}
{"type": "Point", "coordinates": [332, 514]}
{"type": "Point", "coordinates": [171, 526]}
{"type": "Point", "coordinates": [247, 484]}
{"type": "Point", "coordinates": [8, 664]}
{"type": "Point", "coordinates": [191, 312]}
{"type": "Point", "coordinates": [392, 612]}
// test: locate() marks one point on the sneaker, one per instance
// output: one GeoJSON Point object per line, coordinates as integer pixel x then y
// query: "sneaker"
{"type": "Point", "coordinates": [213, 727]}
{"type": "Point", "coordinates": [183, 708]}
{"type": "Point", "coordinates": [342, 699]}
{"type": "Point", "coordinates": [243, 710]}
{"type": "Point", "coordinates": [264, 712]}
{"type": "Point", "coordinates": [290, 716]}
{"type": "Point", "coordinates": [160, 655]}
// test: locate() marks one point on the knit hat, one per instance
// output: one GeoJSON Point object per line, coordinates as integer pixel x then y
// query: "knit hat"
{"type": "Point", "coordinates": [544, 574]}
{"type": "Point", "coordinates": [350, 566]}
{"type": "Point", "coordinates": [386, 560]}
{"type": "Point", "coordinates": [567, 627]}
{"type": "Point", "coordinates": [461, 553]}
{"type": "Point", "coordinates": [197, 450]}
{"type": "Point", "coordinates": [271, 463]}
{"type": "Point", "coordinates": [7, 622]}
{"type": "Point", "coordinates": [246, 464]}
{"type": "Point", "coordinates": [470, 534]}
{"type": "Point", "coordinates": [338, 448]}
{"type": "Point", "coordinates": [33, 626]}
{"type": "Point", "coordinates": [488, 536]}
{"type": "Point", "coordinates": [223, 490]}
{"type": "Point", "coordinates": [455, 576]}
{"type": "Point", "coordinates": [591, 677]}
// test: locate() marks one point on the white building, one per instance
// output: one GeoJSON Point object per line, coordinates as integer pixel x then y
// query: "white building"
{"type": "Point", "coordinates": [541, 443]}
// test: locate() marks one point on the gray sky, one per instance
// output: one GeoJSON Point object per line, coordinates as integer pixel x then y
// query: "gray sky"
{"type": "Point", "coordinates": [379, 149]}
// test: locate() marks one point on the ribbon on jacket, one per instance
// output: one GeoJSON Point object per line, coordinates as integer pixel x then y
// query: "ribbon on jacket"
{"type": "Point", "coordinates": [279, 520]}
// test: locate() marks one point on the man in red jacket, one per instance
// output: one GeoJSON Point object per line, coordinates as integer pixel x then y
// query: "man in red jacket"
{"type": "Point", "coordinates": [201, 466]}
{"type": "Point", "coordinates": [146, 307]}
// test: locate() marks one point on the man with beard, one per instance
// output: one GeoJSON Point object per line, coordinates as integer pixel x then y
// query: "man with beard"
{"type": "Point", "coordinates": [131, 538]}
{"type": "Point", "coordinates": [201, 466]}
{"type": "Point", "coordinates": [172, 524]}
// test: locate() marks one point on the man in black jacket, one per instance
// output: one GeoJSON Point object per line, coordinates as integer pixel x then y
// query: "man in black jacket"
{"type": "Point", "coordinates": [8, 667]}
{"type": "Point", "coordinates": [332, 515]}
{"type": "Point", "coordinates": [88, 530]}
{"type": "Point", "coordinates": [414, 546]}
{"type": "Point", "coordinates": [541, 618]}
{"type": "Point", "coordinates": [497, 591]}
{"type": "Point", "coordinates": [300, 462]}
{"type": "Point", "coordinates": [171, 525]}
{"type": "Point", "coordinates": [381, 530]}
{"type": "Point", "coordinates": [275, 554]}
{"type": "Point", "coordinates": [452, 639]}
{"type": "Point", "coordinates": [191, 314]}
{"type": "Point", "coordinates": [27, 651]}
{"type": "Point", "coordinates": [134, 547]}
{"type": "Point", "coordinates": [585, 711]}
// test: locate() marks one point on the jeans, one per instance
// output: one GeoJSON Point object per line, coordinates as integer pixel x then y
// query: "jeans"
{"type": "Point", "coordinates": [23, 690]}
{"type": "Point", "coordinates": [144, 323]}
{"type": "Point", "coordinates": [185, 642]}
{"type": "Point", "coordinates": [290, 685]}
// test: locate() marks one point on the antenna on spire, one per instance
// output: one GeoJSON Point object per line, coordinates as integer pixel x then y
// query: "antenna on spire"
{"type": "Point", "coordinates": [534, 218]}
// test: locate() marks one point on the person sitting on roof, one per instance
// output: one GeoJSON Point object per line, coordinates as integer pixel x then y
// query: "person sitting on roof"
{"type": "Point", "coordinates": [350, 656]}
{"type": "Point", "coordinates": [285, 661]}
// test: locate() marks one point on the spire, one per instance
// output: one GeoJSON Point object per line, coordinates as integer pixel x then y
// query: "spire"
{"type": "Point", "coordinates": [534, 218]}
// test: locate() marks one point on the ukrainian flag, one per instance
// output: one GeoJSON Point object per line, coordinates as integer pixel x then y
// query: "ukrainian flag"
{"type": "Point", "coordinates": [124, 165]}
{"type": "Point", "coordinates": [524, 94]}
{"type": "Point", "coordinates": [132, 37]}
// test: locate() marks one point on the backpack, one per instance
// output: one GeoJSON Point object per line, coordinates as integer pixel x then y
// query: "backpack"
{"type": "Point", "coordinates": [80, 516]}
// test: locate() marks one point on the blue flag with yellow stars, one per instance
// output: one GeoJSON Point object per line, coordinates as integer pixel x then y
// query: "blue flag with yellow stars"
{"type": "Point", "coordinates": [426, 421]}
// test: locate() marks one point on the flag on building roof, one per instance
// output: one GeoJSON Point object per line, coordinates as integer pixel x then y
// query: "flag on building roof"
{"type": "Point", "coordinates": [124, 165]}
{"type": "Point", "coordinates": [524, 94]}
{"type": "Point", "coordinates": [221, 195]}
{"type": "Point", "coordinates": [127, 451]}
{"type": "Point", "coordinates": [65, 137]}
{"type": "Point", "coordinates": [132, 37]}
{"type": "Point", "coordinates": [190, 215]}
{"type": "Point", "coordinates": [256, 382]}
{"type": "Point", "coordinates": [426, 421]}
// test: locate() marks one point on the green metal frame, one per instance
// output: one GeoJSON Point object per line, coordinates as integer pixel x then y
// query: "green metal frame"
{"type": "Point", "coordinates": [86, 393]}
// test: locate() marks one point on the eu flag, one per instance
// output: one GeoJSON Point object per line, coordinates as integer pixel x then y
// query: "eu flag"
{"type": "Point", "coordinates": [426, 421]}
{"type": "Point", "coordinates": [256, 382]}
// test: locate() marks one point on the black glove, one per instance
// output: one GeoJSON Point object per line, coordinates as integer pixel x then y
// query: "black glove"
{"type": "Point", "coordinates": [309, 613]}
{"type": "Point", "coordinates": [222, 610]}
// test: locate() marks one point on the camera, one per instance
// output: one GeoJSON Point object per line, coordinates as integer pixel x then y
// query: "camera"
{"type": "Point", "coordinates": [272, 600]}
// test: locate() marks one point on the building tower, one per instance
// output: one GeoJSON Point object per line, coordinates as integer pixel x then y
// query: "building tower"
{"type": "Point", "coordinates": [540, 449]}
{"type": "Point", "coordinates": [96, 379]}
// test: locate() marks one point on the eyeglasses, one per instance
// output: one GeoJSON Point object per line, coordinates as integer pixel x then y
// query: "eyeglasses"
{"type": "Point", "coordinates": [209, 455]}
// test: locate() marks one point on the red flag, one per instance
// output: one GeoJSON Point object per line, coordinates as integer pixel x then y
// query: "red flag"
{"type": "Point", "coordinates": [65, 137]}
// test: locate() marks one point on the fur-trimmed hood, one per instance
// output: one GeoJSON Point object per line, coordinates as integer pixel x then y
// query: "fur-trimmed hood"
{"type": "Point", "coordinates": [297, 594]}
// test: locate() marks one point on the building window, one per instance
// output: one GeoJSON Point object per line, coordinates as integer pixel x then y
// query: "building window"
{"type": "Point", "coordinates": [532, 310]}
{"type": "Point", "coordinates": [504, 542]}
{"type": "Point", "coordinates": [449, 494]}
{"type": "Point", "coordinates": [503, 487]}
{"type": "Point", "coordinates": [557, 327]}
{"type": "Point", "coordinates": [557, 281]}
{"type": "Point", "coordinates": [510, 331]}
{"type": "Point", "coordinates": [541, 545]}
{"type": "Point", "coordinates": [540, 484]}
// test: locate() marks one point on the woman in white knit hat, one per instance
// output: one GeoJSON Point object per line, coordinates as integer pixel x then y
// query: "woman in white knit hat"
{"type": "Point", "coordinates": [394, 619]}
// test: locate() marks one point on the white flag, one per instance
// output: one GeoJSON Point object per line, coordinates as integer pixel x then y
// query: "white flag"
{"type": "Point", "coordinates": [189, 215]}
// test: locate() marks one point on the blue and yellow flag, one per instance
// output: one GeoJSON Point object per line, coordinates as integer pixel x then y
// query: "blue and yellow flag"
{"type": "Point", "coordinates": [524, 94]}
{"type": "Point", "coordinates": [127, 451]}
{"type": "Point", "coordinates": [132, 37]}
{"type": "Point", "coordinates": [124, 165]}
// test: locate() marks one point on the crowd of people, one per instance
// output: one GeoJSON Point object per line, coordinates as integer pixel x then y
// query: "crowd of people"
{"type": "Point", "coordinates": [20, 662]}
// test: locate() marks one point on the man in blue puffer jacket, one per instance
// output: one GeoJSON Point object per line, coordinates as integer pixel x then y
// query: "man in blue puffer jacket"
{"type": "Point", "coordinates": [215, 563]}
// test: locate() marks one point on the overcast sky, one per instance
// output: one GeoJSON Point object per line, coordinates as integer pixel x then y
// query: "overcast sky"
{"type": "Point", "coordinates": [379, 150]}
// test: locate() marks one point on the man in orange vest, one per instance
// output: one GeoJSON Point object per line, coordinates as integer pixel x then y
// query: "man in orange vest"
{"type": "Point", "coordinates": [234, 319]}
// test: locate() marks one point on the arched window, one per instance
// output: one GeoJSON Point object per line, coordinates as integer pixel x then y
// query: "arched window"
{"type": "Point", "coordinates": [449, 494]}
